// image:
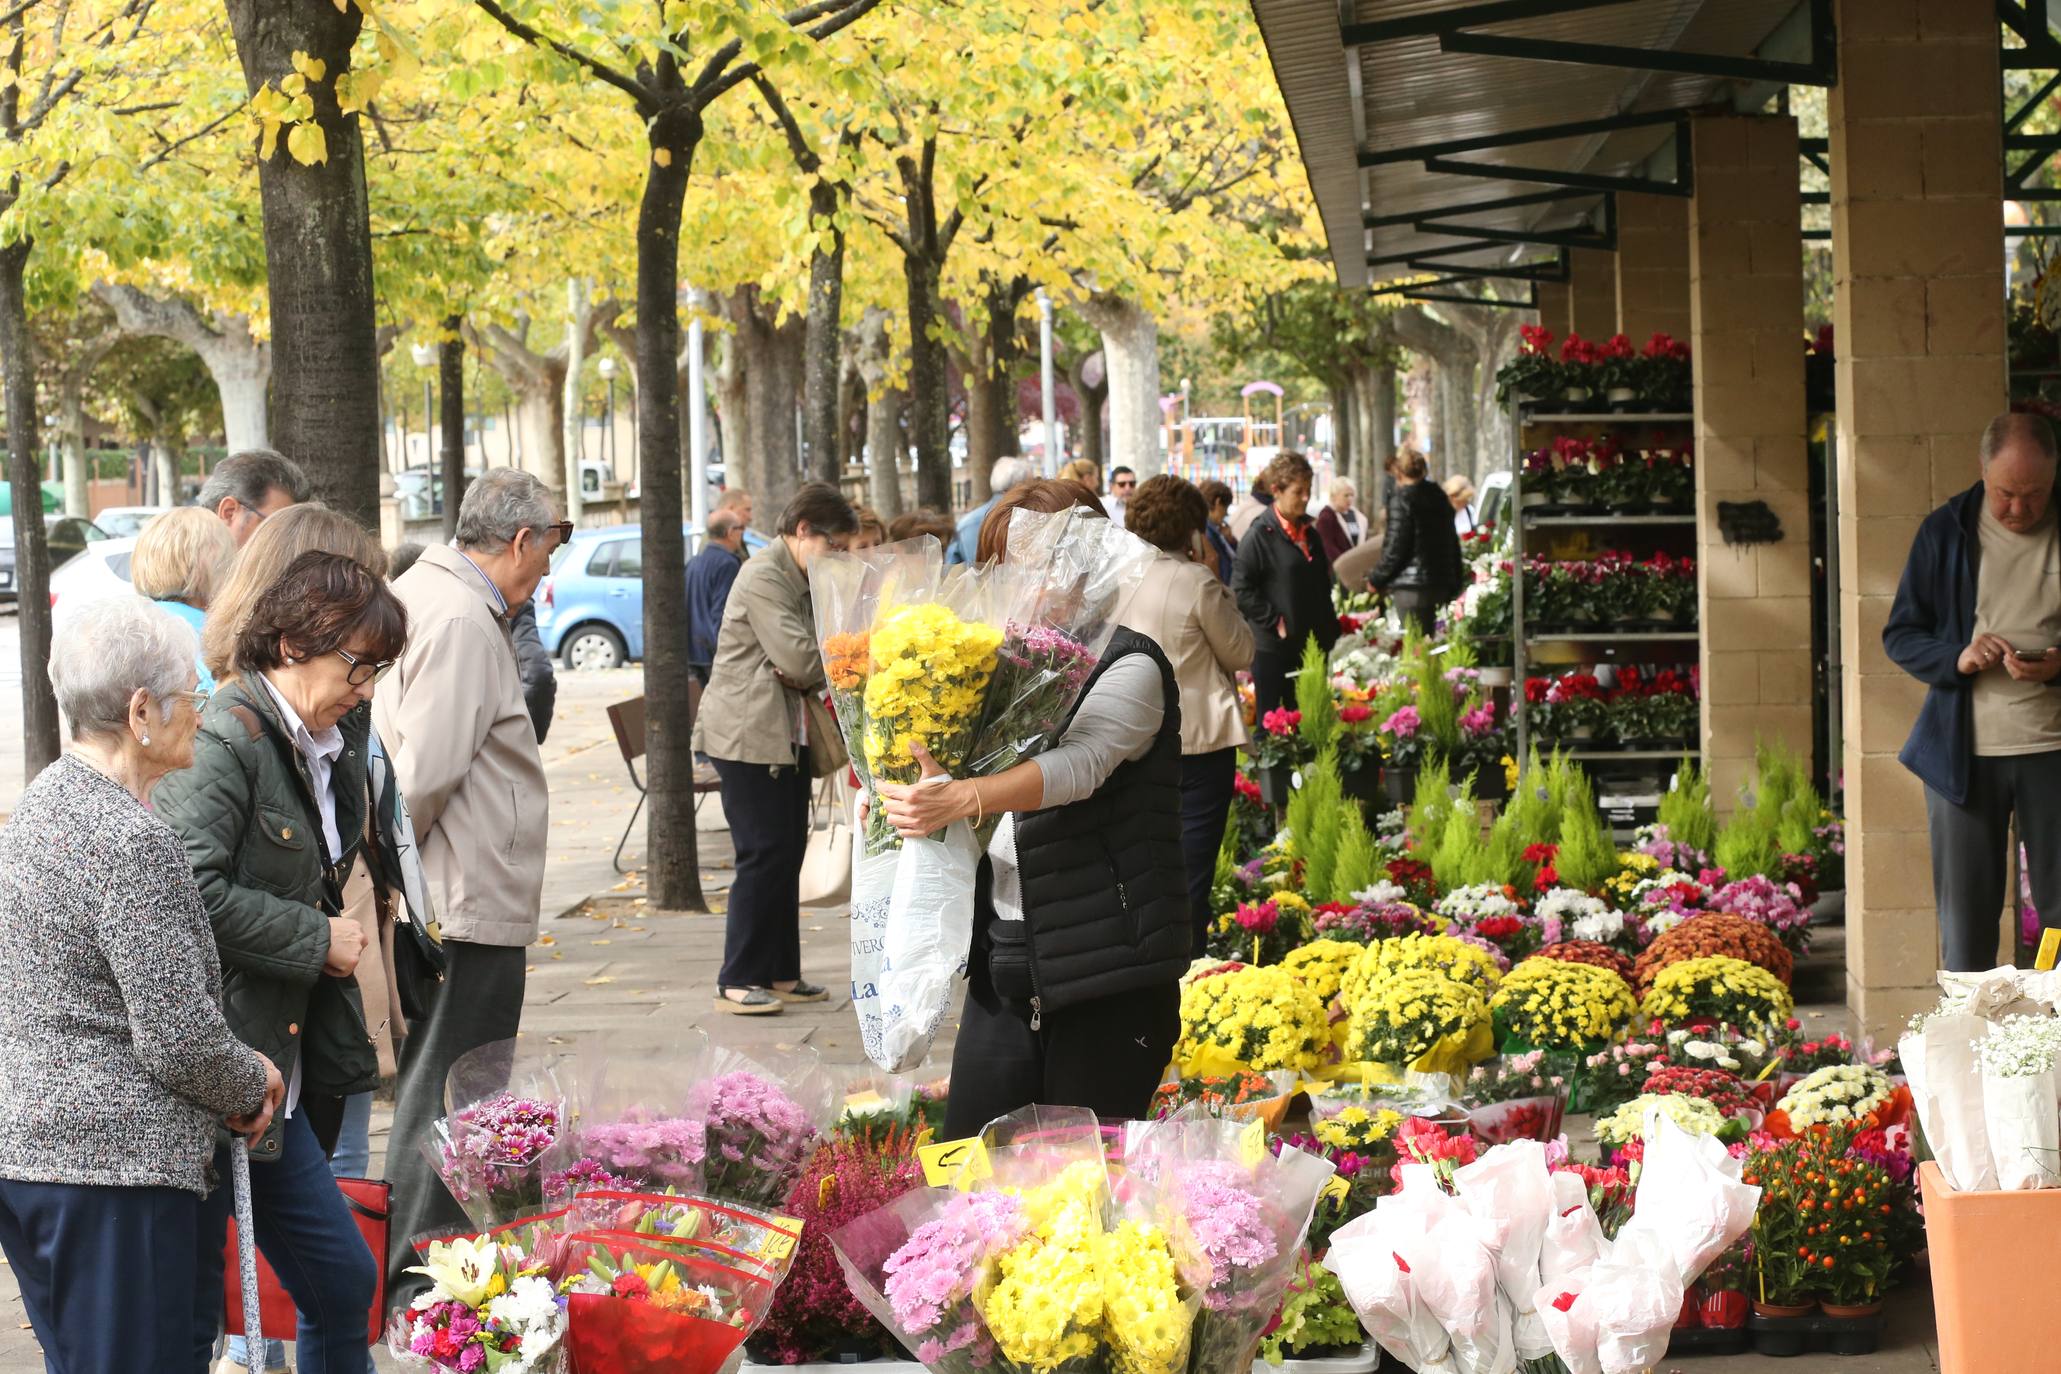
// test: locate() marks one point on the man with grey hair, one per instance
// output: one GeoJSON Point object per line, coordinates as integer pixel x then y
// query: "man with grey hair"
{"type": "Point", "coordinates": [1005, 476]}
{"type": "Point", "coordinates": [710, 576]}
{"type": "Point", "coordinates": [249, 485]}
{"type": "Point", "coordinates": [453, 717]}
{"type": "Point", "coordinates": [1977, 619]}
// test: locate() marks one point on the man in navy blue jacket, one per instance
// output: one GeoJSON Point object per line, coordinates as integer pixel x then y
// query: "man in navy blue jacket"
{"type": "Point", "coordinates": [709, 575]}
{"type": "Point", "coordinates": [1977, 619]}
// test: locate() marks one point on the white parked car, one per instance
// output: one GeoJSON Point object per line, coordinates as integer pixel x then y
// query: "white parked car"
{"type": "Point", "coordinates": [126, 522]}
{"type": "Point", "coordinates": [98, 573]}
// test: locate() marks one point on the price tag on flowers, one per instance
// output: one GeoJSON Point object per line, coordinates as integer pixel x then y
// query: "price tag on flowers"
{"type": "Point", "coordinates": [955, 1163]}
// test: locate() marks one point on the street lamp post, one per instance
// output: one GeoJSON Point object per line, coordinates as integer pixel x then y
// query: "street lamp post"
{"type": "Point", "coordinates": [606, 367]}
{"type": "Point", "coordinates": [425, 356]}
{"type": "Point", "coordinates": [1051, 400]}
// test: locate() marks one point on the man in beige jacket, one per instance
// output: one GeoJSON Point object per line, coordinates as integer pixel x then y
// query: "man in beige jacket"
{"type": "Point", "coordinates": [454, 718]}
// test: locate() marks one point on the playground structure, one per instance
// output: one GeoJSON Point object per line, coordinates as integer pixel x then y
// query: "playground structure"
{"type": "Point", "coordinates": [1228, 448]}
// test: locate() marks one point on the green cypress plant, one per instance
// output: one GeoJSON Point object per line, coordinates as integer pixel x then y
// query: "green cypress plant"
{"type": "Point", "coordinates": [1357, 866]}
{"type": "Point", "coordinates": [1314, 699]}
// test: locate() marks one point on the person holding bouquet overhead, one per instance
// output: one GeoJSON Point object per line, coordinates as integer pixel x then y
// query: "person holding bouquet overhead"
{"type": "Point", "coordinates": [1081, 925]}
{"type": "Point", "coordinates": [1283, 581]}
{"type": "Point", "coordinates": [753, 726]}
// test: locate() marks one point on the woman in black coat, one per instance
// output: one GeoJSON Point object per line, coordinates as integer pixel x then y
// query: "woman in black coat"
{"type": "Point", "coordinates": [1421, 567]}
{"type": "Point", "coordinates": [1283, 582]}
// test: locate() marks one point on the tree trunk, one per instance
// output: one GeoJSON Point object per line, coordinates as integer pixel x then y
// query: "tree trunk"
{"type": "Point", "coordinates": [884, 406]}
{"type": "Point", "coordinates": [851, 411]}
{"type": "Point", "coordinates": [536, 389]}
{"type": "Point", "coordinates": [1379, 389]}
{"type": "Point", "coordinates": [573, 420]}
{"type": "Point", "coordinates": [1346, 440]}
{"type": "Point", "coordinates": [822, 369]}
{"type": "Point", "coordinates": [451, 383]}
{"type": "Point", "coordinates": [673, 876]}
{"type": "Point", "coordinates": [930, 414]}
{"type": "Point", "coordinates": [24, 475]}
{"type": "Point", "coordinates": [982, 443]}
{"type": "Point", "coordinates": [772, 352]}
{"type": "Point", "coordinates": [167, 453]}
{"type": "Point", "coordinates": [240, 364]}
{"type": "Point", "coordinates": [1092, 396]}
{"type": "Point", "coordinates": [1130, 353]}
{"type": "Point", "coordinates": [318, 257]}
{"type": "Point", "coordinates": [733, 409]}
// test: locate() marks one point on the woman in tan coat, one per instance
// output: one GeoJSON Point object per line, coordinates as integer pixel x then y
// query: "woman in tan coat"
{"type": "Point", "coordinates": [1190, 613]}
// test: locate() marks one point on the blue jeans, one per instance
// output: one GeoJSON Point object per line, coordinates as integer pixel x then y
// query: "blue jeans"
{"type": "Point", "coordinates": [306, 1232]}
{"type": "Point", "coordinates": [352, 1158]}
{"type": "Point", "coordinates": [106, 1274]}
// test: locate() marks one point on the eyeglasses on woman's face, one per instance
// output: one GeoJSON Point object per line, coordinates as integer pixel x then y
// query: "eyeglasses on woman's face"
{"type": "Point", "coordinates": [363, 670]}
{"type": "Point", "coordinates": [197, 698]}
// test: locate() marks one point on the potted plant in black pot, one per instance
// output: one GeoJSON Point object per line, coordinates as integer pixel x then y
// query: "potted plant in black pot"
{"type": "Point", "coordinates": [1533, 377]}
{"type": "Point", "coordinates": [1403, 740]}
{"type": "Point", "coordinates": [1485, 744]}
{"type": "Point", "coordinates": [1623, 483]}
{"type": "Point", "coordinates": [1671, 591]}
{"type": "Point", "coordinates": [1579, 373]}
{"type": "Point", "coordinates": [1358, 742]}
{"type": "Point", "coordinates": [1671, 479]}
{"type": "Point", "coordinates": [1622, 592]}
{"type": "Point", "coordinates": [1278, 749]}
{"type": "Point", "coordinates": [1617, 369]}
{"type": "Point", "coordinates": [1664, 375]}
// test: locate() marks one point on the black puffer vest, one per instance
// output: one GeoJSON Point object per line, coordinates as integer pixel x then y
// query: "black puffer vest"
{"type": "Point", "coordinates": [1105, 888]}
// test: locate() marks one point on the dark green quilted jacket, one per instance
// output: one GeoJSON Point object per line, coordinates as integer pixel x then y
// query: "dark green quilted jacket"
{"type": "Point", "coordinates": [246, 813]}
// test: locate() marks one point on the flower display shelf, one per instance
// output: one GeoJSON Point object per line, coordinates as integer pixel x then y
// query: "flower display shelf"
{"type": "Point", "coordinates": [1364, 1361]}
{"type": "Point", "coordinates": [1664, 527]}
{"type": "Point", "coordinates": [1706, 1340]}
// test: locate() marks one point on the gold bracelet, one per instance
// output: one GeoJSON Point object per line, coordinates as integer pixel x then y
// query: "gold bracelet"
{"type": "Point", "coordinates": [980, 807]}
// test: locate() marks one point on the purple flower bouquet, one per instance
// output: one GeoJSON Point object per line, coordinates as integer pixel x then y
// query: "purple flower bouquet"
{"type": "Point", "coordinates": [918, 1263]}
{"type": "Point", "coordinates": [503, 1118]}
{"type": "Point", "coordinates": [758, 1137]}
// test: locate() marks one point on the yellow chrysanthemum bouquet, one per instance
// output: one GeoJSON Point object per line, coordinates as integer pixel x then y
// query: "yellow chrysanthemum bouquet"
{"type": "Point", "coordinates": [1717, 989]}
{"type": "Point", "coordinates": [931, 662]}
{"type": "Point", "coordinates": [1417, 1018]}
{"type": "Point", "coordinates": [1545, 1004]}
{"type": "Point", "coordinates": [1255, 1018]}
{"type": "Point", "coordinates": [844, 595]}
{"type": "Point", "coordinates": [1031, 1262]}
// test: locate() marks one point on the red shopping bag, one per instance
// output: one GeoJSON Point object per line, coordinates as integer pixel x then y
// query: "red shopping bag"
{"type": "Point", "coordinates": [369, 1201]}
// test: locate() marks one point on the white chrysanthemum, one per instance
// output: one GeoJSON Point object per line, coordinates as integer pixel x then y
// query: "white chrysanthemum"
{"type": "Point", "coordinates": [1380, 894]}
{"type": "Point", "coordinates": [1600, 926]}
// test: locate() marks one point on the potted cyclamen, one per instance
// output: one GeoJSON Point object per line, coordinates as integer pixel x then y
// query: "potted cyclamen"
{"type": "Point", "coordinates": [1619, 370]}
{"type": "Point", "coordinates": [1359, 753]}
{"type": "Point", "coordinates": [1574, 489]}
{"type": "Point", "coordinates": [1664, 374]}
{"type": "Point", "coordinates": [1485, 746]}
{"type": "Point", "coordinates": [1671, 479]}
{"type": "Point", "coordinates": [1671, 585]}
{"type": "Point", "coordinates": [1533, 377]}
{"type": "Point", "coordinates": [1540, 480]}
{"type": "Point", "coordinates": [1277, 751]}
{"type": "Point", "coordinates": [1623, 484]}
{"type": "Point", "coordinates": [1578, 358]}
{"type": "Point", "coordinates": [1578, 707]}
{"type": "Point", "coordinates": [1402, 748]}
{"type": "Point", "coordinates": [1621, 591]}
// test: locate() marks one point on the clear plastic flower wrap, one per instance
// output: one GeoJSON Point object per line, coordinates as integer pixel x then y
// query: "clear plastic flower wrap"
{"type": "Point", "coordinates": [504, 1110]}
{"type": "Point", "coordinates": [1068, 577]}
{"type": "Point", "coordinates": [1239, 1214]}
{"type": "Point", "coordinates": [637, 1305]}
{"type": "Point", "coordinates": [741, 1236]}
{"type": "Point", "coordinates": [1033, 1267]}
{"type": "Point", "coordinates": [844, 593]}
{"type": "Point", "coordinates": [633, 1132]}
{"type": "Point", "coordinates": [489, 1306]}
{"type": "Point", "coordinates": [759, 1123]}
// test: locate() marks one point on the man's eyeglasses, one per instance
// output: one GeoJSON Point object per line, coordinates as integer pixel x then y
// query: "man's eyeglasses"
{"type": "Point", "coordinates": [563, 529]}
{"type": "Point", "coordinates": [1125, 483]}
{"type": "Point", "coordinates": [363, 670]}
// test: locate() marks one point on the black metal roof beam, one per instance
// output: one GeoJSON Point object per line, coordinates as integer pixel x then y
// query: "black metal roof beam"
{"type": "Point", "coordinates": [1817, 152]}
{"type": "Point", "coordinates": [1462, 276]}
{"type": "Point", "coordinates": [1438, 21]}
{"type": "Point", "coordinates": [1530, 300]}
{"type": "Point", "coordinates": [1821, 70]}
{"type": "Point", "coordinates": [2041, 147]}
{"type": "Point", "coordinates": [2041, 50]}
{"type": "Point", "coordinates": [2032, 104]}
{"type": "Point", "coordinates": [1555, 271]}
{"type": "Point", "coordinates": [1542, 133]}
{"type": "Point", "coordinates": [1551, 238]}
{"type": "Point", "coordinates": [1500, 203]}
{"type": "Point", "coordinates": [1683, 184]}
{"type": "Point", "coordinates": [1453, 250]}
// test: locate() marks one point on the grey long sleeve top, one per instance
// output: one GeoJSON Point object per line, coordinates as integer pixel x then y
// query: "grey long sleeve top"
{"type": "Point", "coordinates": [115, 1061]}
{"type": "Point", "coordinates": [1116, 723]}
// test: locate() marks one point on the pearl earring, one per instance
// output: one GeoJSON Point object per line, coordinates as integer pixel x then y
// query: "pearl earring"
{"type": "Point", "coordinates": [146, 739]}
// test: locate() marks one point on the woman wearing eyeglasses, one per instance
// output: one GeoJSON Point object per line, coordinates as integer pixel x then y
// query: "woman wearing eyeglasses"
{"type": "Point", "coordinates": [274, 816]}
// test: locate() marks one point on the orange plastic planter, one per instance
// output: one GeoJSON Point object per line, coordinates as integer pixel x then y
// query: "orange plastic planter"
{"type": "Point", "coordinates": [1982, 1247]}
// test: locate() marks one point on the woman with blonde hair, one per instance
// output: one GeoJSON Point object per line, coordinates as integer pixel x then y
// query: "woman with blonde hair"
{"type": "Point", "coordinates": [1085, 472]}
{"type": "Point", "coordinates": [307, 528]}
{"type": "Point", "coordinates": [180, 559]}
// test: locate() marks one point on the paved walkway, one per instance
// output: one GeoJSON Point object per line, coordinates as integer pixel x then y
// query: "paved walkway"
{"type": "Point", "coordinates": [609, 963]}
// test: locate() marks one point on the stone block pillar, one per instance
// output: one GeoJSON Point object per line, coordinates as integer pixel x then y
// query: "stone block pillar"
{"type": "Point", "coordinates": [1554, 307]}
{"type": "Point", "coordinates": [1652, 266]}
{"type": "Point", "coordinates": [1746, 329]}
{"type": "Point", "coordinates": [1918, 315]}
{"type": "Point", "coordinates": [1592, 293]}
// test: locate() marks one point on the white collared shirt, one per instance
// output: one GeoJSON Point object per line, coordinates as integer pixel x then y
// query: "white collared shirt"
{"type": "Point", "coordinates": [321, 751]}
{"type": "Point", "coordinates": [500, 600]}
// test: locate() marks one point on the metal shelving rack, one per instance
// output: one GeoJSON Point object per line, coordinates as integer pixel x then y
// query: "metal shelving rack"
{"type": "Point", "coordinates": [1522, 523]}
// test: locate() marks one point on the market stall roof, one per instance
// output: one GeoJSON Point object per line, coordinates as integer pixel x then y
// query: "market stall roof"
{"type": "Point", "coordinates": [1452, 141]}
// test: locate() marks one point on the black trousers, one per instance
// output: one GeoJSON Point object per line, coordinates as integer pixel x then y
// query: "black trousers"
{"type": "Point", "coordinates": [1416, 606]}
{"type": "Point", "coordinates": [1206, 785]}
{"type": "Point", "coordinates": [1971, 848]}
{"type": "Point", "coordinates": [1107, 1054]}
{"type": "Point", "coordinates": [480, 1002]}
{"type": "Point", "coordinates": [1271, 666]}
{"type": "Point", "coordinates": [768, 811]}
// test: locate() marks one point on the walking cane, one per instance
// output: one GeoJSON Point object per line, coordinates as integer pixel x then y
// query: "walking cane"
{"type": "Point", "coordinates": [247, 1258]}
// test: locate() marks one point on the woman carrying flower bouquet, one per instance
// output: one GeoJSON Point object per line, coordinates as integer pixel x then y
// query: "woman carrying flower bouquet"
{"type": "Point", "coordinates": [752, 725]}
{"type": "Point", "coordinates": [1184, 609]}
{"type": "Point", "coordinates": [1283, 581]}
{"type": "Point", "coordinates": [1420, 568]}
{"type": "Point", "coordinates": [1081, 925]}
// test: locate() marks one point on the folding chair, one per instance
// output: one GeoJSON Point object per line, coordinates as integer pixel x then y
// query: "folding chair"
{"type": "Point", "coordinates": [627, 720]}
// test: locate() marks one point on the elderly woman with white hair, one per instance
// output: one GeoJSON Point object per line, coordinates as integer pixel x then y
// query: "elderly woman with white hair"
{"type": "Point", "coordinates": [116, 1065]}
{"type": "Point", "coordinates": [1340, 524]}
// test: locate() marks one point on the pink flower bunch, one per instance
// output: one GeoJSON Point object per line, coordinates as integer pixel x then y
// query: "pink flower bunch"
{"type": "Point", "coordinates": [1258, 918]}
{"type": "Point", "coordinates": [1228, 1224]}
{"type": "Point", "coordinates": [1480, 721]}
{"type": "Point", "coordinates": [1779, 907]}
{"type": "Point", "coordinates": [651, 1152]}
{"type": "Point", "coordinates": [1404, 724]}
{"type": "Point", "coordinates": [489, 1154]}
{"type": "Point", "coordinates": [758, 1138]}
{"type": "Point", "coordinates": [935, 1268]}
{"type": "Point", "coordinates": [581, 1176]}
{"type": "Point", "coordinates": [1281, 721]}
{"type": "Point", "coordinates": [1354, 714]}
{"type": "Point", "coordinates": [1371, 921]}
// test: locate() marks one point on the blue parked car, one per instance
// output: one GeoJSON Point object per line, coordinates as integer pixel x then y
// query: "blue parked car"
{"type": "Point", "coordinates": [590, 610]}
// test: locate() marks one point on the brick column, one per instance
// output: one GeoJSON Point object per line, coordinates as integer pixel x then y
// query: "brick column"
{"type": "Point", "coordinates": [1746, 327]}
{"type": "Point", "coordinates": [1652, 266]}
{"type": "Point", "coordinates": [1592, 293]}
{"type": "Point", "coordinates": [1918, 314]}
{"type": "Point", "coordinates": [1554, 307]}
